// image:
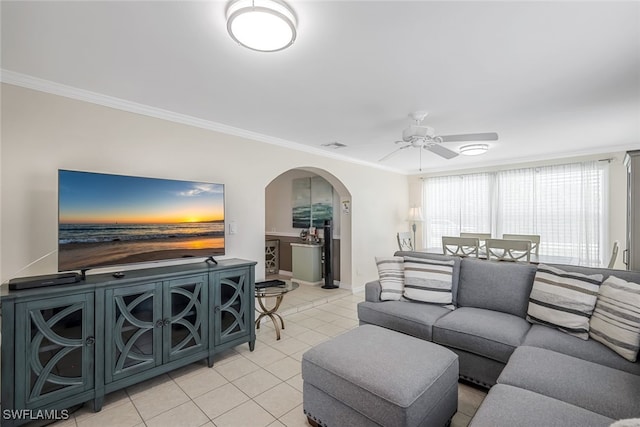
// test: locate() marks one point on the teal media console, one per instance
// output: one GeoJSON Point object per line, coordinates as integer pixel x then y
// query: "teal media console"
{"type": "Point", "coordinates": [69, 344]}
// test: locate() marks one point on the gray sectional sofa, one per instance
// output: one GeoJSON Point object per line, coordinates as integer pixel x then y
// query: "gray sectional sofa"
{"type": "Point", "coordinates": [538, 375]}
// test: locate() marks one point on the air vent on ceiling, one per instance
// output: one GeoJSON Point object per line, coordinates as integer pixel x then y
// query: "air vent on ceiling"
{"type": "Point", "coordinates": [335, 145]}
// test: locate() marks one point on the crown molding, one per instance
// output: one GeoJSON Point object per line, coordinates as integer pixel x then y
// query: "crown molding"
{"type": "Point", "coordinates": [526, 162]}
{"type": "Point", "coordinates": [47, 86]}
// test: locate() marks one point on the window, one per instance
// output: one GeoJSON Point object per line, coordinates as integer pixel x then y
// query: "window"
{"type": "Point", "coordinates": [564, 204]}
{"type": "Point", "coordinates": [455, 204]}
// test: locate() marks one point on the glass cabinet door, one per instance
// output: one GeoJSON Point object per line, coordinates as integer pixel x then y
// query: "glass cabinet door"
{"type": "Point", "coordinates": [58, 342]}
{"type": "Point", "coordinates": [133, 330]}
{"type": "Point", "coordinates": [185, 331]}
{"type": "Point", "coordinates": [232, 305]}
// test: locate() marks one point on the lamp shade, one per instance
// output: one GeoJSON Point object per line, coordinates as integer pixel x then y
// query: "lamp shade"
{"type": "Point", "coordinates": [262, 25]}
{"type": "Point", "coordinates": [415, 214]}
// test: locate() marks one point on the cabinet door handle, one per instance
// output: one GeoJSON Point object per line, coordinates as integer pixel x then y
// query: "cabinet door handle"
{"type": "Point", "coordinates": [159, 323]}
{"type": "Point", "coordinates": [89, 340]}
{"type": "Point", "coordinates": [217, 309]}
{"type": "Point", "coordinates": [166, 322]}
{"type": "Point", "coordinates": [625, 257]}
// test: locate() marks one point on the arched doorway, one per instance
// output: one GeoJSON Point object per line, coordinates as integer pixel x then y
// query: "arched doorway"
{"type": "Point", "coordinates": [279, 224]}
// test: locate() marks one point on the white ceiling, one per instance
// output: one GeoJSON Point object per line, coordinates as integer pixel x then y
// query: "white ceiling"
{"type": "Point", "coordinates": [553, 79]}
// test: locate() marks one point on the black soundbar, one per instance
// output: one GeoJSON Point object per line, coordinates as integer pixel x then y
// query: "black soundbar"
{"type": "Point", "coordinates": [270, 284]}
{"type": "Point", "coordinates": [42, 281]}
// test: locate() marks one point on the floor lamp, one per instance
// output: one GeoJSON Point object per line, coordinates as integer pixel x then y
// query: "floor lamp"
{"type": "Point", "coordinates": [415, 216]}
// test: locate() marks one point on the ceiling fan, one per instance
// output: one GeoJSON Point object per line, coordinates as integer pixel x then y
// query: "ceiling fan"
{"type": "Point", "coordinates": [417, 136]}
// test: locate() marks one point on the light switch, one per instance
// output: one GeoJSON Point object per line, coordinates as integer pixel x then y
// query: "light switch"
{"type": "Point", "coordinates": [233, 227]}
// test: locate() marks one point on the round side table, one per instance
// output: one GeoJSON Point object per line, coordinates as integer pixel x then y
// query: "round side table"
{"type": "Point", "coordinates": [277, 292]}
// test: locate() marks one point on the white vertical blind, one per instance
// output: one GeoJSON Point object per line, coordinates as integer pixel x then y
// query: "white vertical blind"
{"type": "Point", "coordinates": [565, 204]}
{"type": "Point", "coordinates": [475, 206]}
{"type": "Point", "coordinates": [516, 202]}
{"type": "Point", "coordinates": [454, 204]}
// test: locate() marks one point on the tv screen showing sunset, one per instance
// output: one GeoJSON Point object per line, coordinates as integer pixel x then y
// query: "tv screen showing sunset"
{"type": "Point", "coordinates": [113, 219]}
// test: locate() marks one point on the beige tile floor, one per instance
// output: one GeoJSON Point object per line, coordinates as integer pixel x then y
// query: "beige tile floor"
{"type": "Point", "coordinates": [247, 389]}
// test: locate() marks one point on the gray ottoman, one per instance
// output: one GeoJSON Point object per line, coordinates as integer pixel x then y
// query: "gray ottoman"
{"type": "Point", "coordinates": [372, 375]}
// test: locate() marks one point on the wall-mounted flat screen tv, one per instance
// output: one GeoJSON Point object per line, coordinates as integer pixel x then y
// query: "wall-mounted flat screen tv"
{"type": "Point", "coordinates": [107, 220]}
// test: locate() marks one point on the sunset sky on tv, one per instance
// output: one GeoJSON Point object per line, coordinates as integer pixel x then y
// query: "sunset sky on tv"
{"type": "Point", "coordinates": [91, 198]}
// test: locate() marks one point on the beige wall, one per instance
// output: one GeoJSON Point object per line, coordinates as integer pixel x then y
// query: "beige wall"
{"type": "Point", "coordinates": [617, 190]}
{"type": "Point", "coordinates": [42, 133]}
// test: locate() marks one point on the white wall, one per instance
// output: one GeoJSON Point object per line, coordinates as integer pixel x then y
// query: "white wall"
{"type": "Point", "coordinates": [617, 191]}
{"type": "Point", "coordinates": [618, 204]}
{"type": "Point", "coordinates": [42, 133]}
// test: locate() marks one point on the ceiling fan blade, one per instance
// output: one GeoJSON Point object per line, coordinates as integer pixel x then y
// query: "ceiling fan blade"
{"type": "Point", "coordinates": [393, 153]}
{"type": "Point", "coordinates": [441, 151]}
{"type": "Point", "coordinates": [489, 136]}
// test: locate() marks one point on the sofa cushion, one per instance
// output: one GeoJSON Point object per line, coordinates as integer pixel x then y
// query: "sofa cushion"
{"type": "Point", "coordinates": [497, 286]}
{"type": "Point", "coordinates": [456, 268]}
{"type": "Point", "coordinates": [412, 318]}
{"type": "Point", "coordinates": [428, 280]}
{"type": "Point", "coordinates": [594, 387]}
{"type": "Point", "coordinates": [391, 273]}
{"type": "Point", "coordinates": [563, 300]}
{"type": "Point", "coordinates": [507, 406]}
{"type": "Point", "coordinates": [616, 319]}
{"type": "Point", "coordinates": [488, 333]}
{"type": "Point", "coordinates": [553, 339]}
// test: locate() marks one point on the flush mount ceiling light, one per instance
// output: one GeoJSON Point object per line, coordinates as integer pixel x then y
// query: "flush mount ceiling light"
{"type": "Point", "coordinates": [262, 25]}
{"type": "Point", "coordinates": [474, 149]}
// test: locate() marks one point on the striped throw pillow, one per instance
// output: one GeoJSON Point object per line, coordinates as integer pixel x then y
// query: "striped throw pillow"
{"type": "Point", "coordinates": [428, 280]}
{"type": "Point", "coordinates": [391, 273]}
{"type": "Point", "coordinates": [563, 300]}
{"type": "Point", "coordinates": [616, 319]}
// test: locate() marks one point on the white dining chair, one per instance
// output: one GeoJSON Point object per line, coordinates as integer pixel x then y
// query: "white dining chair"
{"type": "Point", "coordinates": [405, 241]}
{"type": "Point", "coordinates": [479, 236]}
{"type": "Point", "coordinates": [460, 246]}
{"type": "Point", "coordinates": [509, 250]}
{"type": "Point", "coordinates": [533, 238]}
{"type": "Point", "coordinates": [614, 254]}
{"type": "Point", "coordinates": [482, 237]}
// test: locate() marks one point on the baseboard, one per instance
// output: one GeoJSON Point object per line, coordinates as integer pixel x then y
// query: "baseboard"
{"type": "Point", "coordinates": [356, 290]}
{"type": "Point", "coordinates": [305, 283]}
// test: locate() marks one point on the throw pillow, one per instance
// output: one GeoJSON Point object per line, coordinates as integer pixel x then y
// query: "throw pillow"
{"type": "Point", "coordinates": [428, 280]}
{"type": "Point", "coordinates": [563, 300]}
{"type": "Point", "coordinates": [391, 273]}
{"type": "Point", "coordinates": [627, 422]}
{"type": "Point", "coordinates": [616, 319]}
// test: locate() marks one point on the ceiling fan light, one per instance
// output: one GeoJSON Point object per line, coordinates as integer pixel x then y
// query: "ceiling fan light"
{"type": "Point", "coordinates": [474, 149]}
{"type": "Point", "coordinates": [262, 25]}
